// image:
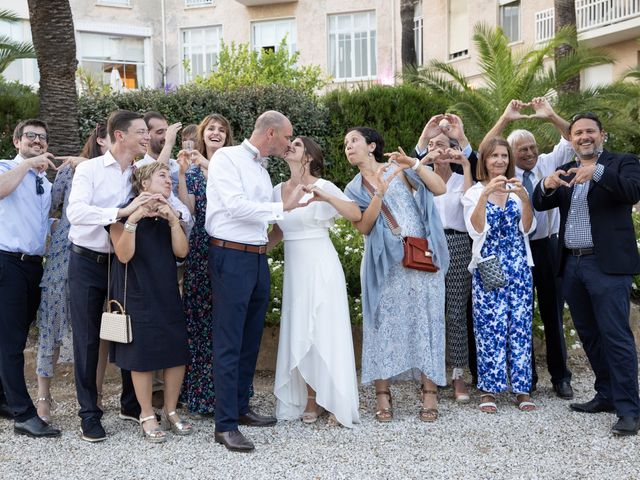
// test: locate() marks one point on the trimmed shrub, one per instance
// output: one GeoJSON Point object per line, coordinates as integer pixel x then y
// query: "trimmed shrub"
{"type": "Point", "coordinates": [17, 102]}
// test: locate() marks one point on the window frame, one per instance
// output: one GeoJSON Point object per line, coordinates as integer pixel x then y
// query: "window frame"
{"type": "Point", "coordinates": [184, 78]}
{"type": "Point", "coordinates": [371, 42]}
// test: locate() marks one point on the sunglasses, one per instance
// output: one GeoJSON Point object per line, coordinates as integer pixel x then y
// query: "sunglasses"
{"type": "Point", "coordinates": [39, 187]}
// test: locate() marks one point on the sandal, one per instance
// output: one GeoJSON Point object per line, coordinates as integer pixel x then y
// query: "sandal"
{"type": "Point", "coordinates": [488, 406]}
{"type": "Point", "coordinates": [428, 414]}
{"type": "Point", "coordinates": [155, 435]}
{"type": "Point", "coordinates": [525, 405]}
{"type": "Point", "coordinates": [46, 417]}
{"type": "Point", "coordinates": [332, 421]}
{"type": "Point", "coordinates": [311, 417]}
{"type": "Point", "coordinates": [177, 426]}
{"type": "Point", "coordinates": [385, 415]}
{"type": "Point", "coordinates": [460, 391]}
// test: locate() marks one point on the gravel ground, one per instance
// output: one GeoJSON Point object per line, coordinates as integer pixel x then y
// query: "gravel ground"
{"type": "Point", "coordinates": [552, 442]}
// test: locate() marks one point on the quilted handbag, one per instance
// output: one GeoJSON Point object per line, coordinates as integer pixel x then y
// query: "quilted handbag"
{"type": "Point", "coordinates": [491, 273]}
{"type": "Point", "coordinates": [116, 327]}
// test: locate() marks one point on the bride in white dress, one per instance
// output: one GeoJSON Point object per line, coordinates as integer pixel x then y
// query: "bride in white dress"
{"type": "Point", "coordinates": [316, 367]}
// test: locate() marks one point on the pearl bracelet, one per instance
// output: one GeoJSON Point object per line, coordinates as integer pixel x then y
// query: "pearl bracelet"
{"type": "Point", "coordinates": [130, 227]}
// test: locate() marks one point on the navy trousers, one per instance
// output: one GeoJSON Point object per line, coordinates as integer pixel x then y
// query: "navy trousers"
{"type": "Point", "coordinates": [599, 304]}
{"type": "Point", "coordinates": [550, 304]}
{"type": "Point", "coordinates": [240, 295]}
{"type": "Point", "coordinates": [19, 301]}
{"type": "Point", "coordinates": [88, 291]}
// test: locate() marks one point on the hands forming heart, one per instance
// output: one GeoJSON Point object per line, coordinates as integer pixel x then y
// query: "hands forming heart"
{"type": "Point", "coordinates": [540, 105]}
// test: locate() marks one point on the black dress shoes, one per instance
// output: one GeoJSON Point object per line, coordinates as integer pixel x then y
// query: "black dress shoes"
{"type": "Point", "coordinates": [5, 411]}
{"type": "Point", "coordinates": [626, 426]}
{"type": "Point", "coordinates": [91, 430]}
{"type": "Point", "coordinates": [252, 419]}
{"type": "Point", "coordinates": [594, 406]}
{"type": "Point", "coordinates": [563, 390]}
{"type": "Point", "coordinates": [35, 427]}
{"type": "Point", "coordinates": [234, 441]}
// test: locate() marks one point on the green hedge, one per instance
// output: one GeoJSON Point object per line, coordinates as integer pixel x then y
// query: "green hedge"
{"type": "Point", "coordinates": [17, 102]}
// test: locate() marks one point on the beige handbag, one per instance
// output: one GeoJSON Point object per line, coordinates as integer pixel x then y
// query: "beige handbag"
{"type": "Point", "coordinates": [116, 327]}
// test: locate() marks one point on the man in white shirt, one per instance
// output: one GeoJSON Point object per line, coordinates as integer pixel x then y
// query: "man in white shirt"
{"type": "Point", "coordinates": [531, 167]}
{"type": "Point", "coordinates": [25, 199]}
{"type": "Point", "coordinates": [100, 186]}
{"type": "Point", "coordinates": [239, 209]}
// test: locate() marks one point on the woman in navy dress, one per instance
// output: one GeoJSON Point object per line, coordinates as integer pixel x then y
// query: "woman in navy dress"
{"type": "Point", "coordinates": [147, 245]}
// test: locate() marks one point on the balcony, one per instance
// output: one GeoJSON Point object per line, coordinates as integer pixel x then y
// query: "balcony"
{"type": "Point", "coordinates": [599, 22]}
{"type": "Point", "coordinates": [261, 3]}
{"type": "Point", "coordinates": [198, 3]}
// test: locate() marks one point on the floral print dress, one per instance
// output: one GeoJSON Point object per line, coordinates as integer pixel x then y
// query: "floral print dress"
{"type": "Point", "coordinates": [502, 317]}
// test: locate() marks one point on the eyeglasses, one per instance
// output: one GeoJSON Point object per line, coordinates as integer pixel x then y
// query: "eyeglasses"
{"type": "Point", "coordinates": [33, 135]}
{"type": "Point", "coordinates": [39, 187]}
{"type": "Point", "coordinates": [142, 133]}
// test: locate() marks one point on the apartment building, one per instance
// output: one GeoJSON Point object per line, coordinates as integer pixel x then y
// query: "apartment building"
{"type": "Point", "coordinates": [152, 43]}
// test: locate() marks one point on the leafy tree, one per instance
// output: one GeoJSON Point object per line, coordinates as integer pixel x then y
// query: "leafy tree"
{"type": "Point", "coordinates": [11, 50]}
{"type": "Point", "coordinates": [506, 74]}
{"type": "Point", "coordinates": [240, 66]}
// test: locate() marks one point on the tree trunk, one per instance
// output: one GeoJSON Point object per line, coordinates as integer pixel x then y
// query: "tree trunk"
{"type": "Point", "coordinates": [565, 14]}
{"type": "Point", "coordinates": [408, 47]}
{"type": "Point", "coordinates": [55, 44]}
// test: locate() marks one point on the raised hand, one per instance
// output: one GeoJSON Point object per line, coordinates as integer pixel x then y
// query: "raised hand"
{"type": "Point", "coordinates": [401, 159]}
{"type": "Point", "coordinates": [435, 156]}
{"type": "Point", "coordinates": [553, 181]}
{"type": "Point", "coordinates": [73, 161]}
{"type": "Point", "coordinates": [432, 128]}
{"type": "Point", "coordinates": [293, 200]}
{"type": "Point", "coordinates": [583, 174]}
{"type": "Point", "coordinates": [518, 189]}
{"type": "Point", "coordinates": [496, 185]}
{"type": "Point", "coordinates": [542, 108]}
{"type": "Point", "coordinates": [42, 162]}
{"type": "Point", "coordinates": [453, 155]}
{"type": "Point", "coordinates": [456, 128]}
{"type": "Point", "coordinates": [513, 110]}
{"type": "Point", "coordinates": [172, 133]}
{"type": "Point", "coordinates": [184, 161]}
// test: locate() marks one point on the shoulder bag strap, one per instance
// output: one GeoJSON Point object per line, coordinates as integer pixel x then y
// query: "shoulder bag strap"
{"type": "Point", "coordinates": [386, 213]}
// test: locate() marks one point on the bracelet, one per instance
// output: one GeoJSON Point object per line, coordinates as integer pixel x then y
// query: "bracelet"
{"type": "Point", "coordinates": [130, 227]}
{"type": "Point", "coordinates": [378, 194]}
{"type": "Point", "coordinates": [416, 165]}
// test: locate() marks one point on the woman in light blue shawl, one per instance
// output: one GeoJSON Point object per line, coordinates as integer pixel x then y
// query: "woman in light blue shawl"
{"type": "Point", "coordinates": [403, 309]}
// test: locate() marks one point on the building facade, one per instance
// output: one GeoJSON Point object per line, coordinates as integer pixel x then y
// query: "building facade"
{"type": "Point", "coordinates": [153, 43]}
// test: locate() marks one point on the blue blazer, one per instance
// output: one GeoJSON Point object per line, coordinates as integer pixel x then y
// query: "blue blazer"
{"type": "Point", "coordinates": [610, 202]}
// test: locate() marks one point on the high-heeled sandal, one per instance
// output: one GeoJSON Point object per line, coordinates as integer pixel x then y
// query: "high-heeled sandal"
{"type": "Point", "coordinates": [457, 378]}
{"type": "Point", "coordinates": [385, 415]}
{"type": "Point", "coordinates": [427, 414]}
{"type": "Point", "coordinates": [488, 406]}
{"type": "Point", "coordinates": [179, 427]}
{"type": "Point", "coordinates": [155, 435]}
{"type": "Point", "coordinates": [45, 418]}
{"type": "Point", "coordinates": [311, 417]}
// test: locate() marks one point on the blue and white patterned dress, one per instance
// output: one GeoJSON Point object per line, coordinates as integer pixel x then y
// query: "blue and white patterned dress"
{"type": "Point", "coordinates": [406, 337]}
{"type": "Point", "coordinates": [502, 317]}
{"type": "Point", "coordinates": [54, 321]}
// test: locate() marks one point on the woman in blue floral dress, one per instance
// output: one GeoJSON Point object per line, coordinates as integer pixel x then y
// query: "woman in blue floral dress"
{"type": "Point", "coordinates": [54, 322]}
{"type": "Point", "coordinates": [499, 218]}
{"type": "Point", "coordinates": [198, 391]}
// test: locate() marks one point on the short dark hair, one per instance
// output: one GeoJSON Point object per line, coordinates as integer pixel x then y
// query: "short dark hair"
{"type": "Point", "coordinates": [311, 148]}
{"type": "Point", "coordinates": [486, 149]}
{"type": "Point", "coordinates": [190, 131]}
{"type": "Point", "coordinates": [33, 122]}
{"type": "Point", "coordinates": [121, 120]}
{"type": "Point", "coordinates": [91, 147]}
{"type": "Point", "coordinates": [371, 136]}
{"type": "Point", "coordinates": [151, 115]}
{"type": "Point", "coordinates": [588, 116]}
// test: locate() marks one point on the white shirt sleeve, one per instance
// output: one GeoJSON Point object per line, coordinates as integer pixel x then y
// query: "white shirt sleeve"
{"type": "Point", "coordinates": [80, 211]}
{"type": "Point", "coordinates": [562, 153]}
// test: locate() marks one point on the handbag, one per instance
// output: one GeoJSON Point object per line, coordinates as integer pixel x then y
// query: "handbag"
{"type": "Point", "coordinates": [417, 254]}
{"type": "Point", "coordinates": [491, 273]}
{"type": "Point", "coordinates": [116, 326]}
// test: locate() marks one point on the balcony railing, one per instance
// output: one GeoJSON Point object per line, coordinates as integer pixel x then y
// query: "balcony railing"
{"type": "Point", "coordinates": [119, 3]}
{"type": "Point", "coordinates": [589, 14]}
{"type": "Point", "coordinates": [197, 3]}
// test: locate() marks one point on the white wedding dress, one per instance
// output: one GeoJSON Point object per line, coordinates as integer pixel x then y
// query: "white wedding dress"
{"type": "Point", "coordinates": [316, 345]}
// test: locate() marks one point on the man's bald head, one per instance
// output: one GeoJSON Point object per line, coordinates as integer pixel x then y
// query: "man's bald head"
{"type": "Point", "coordinates": [270, 119]}
{"type": "Point", "coordinates": [272, 134]}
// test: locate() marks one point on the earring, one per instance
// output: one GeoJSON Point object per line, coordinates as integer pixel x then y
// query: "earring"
{"type": "Point", "coordinates": [370, 154]}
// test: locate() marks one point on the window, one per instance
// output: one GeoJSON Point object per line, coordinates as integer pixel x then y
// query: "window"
{"type": "Point", "coordinates": [510, 19]}
{"type": "Point", "coordinates": [101, 53]}
{"type": "Point", "coordinates": [418, 33]}
{"type": "Point", "coordinates": [596, 76]}
{"type": "Point", "coordinates": [352, 46]}
{"type": "Point", "coordinates": [198, 3]}
{"type": "Point", "coordinates": [200, 50]}
{"type": "Point", "coordinates": [26, 70]}
{"type": "Point", "coordinates": [459, 28]}
{"type": "Point", "coordinates": [266, 36]}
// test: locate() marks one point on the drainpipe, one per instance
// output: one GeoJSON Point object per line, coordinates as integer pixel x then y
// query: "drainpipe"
{"type": "Point", "coordinates": [393, 40]}
{"type": "Point", "coordinates": [164, 47]}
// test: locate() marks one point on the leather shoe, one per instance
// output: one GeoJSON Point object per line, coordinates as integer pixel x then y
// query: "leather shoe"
{"type": "Point", "coordinates": [5, 411]}
{"type": "Point", "coordinates": [626, 426]}
{"type": "Point", "coordinates": [91, 430]}
{"type": "Point", "coordinates": [253, 419]}
{"type": "Point", "coordinates": [35, 427]}
{"type": "Point", "coordinates": [594, 406]}
{"type": "Point", "coordinates": [234, 441]}
{"type": "Point", "coordinates": [563, 389]}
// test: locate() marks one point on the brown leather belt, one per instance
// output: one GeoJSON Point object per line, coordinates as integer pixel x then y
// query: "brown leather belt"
{"type": "Point", "coordinates": [243, 247]}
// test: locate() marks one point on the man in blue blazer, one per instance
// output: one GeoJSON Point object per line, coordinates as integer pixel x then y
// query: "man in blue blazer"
{"type": "Point", "coordinates": [595, 194]}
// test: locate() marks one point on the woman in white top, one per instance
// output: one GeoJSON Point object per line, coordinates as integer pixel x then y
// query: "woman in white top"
{"type": "Point", "coordinates": [316, 366]}
{"type": "Point", "coordinates": [458, 278]}
{"type": "Point", "coordinates": [499, 218]}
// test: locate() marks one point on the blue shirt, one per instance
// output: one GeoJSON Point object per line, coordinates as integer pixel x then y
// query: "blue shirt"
{"type": "Point", "coordinates": [24, 213]}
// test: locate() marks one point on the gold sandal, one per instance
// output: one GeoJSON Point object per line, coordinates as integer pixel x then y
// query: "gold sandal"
{"type": "Point", "coordinates": [385, 415]}
{"type": "Point", "coordinates": [311, 417]}
{"type": "Point", "coordinates": [428, 414]}
{"type": "Point", "coordinates": [155, 435]}
{"type": "Point", "coordinates": [45, 418]}
{"type": "Point", "coordinates": [178, 427]}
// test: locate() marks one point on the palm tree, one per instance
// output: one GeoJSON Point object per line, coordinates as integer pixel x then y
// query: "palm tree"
{"type": "Point", "coordinates": [55, 44]}
{"type": "Point", "coordinates": [10, 50]}
{"type": "Point", "coordinates": [408, 48]}
{"type": "Point", "coordinates": [506, 74]}
{"type": "Point", "coordinates": [565, 16]}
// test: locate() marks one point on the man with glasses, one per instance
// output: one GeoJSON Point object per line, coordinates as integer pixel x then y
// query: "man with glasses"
{"type": "Point", "coordinates": [25, 199]}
